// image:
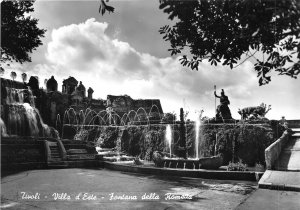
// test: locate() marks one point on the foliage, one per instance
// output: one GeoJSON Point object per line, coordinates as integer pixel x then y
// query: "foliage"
{"type": "Point", "coordinates": [239, 166]}
{"type": "Point", "coordinates": [225, 31]}
{"type": "Point", "coordinates": [2, 70]}
{"type": "Point", "coordinates": [19, 32]}
{"type": "Point", "coordinates": [169, 117]}
{"type": "Point", "coordinates": [259, 167]}
{"type": "Point", "coordinates": [104, 7]}
{"type": "Point", "coordinates": [246, 142]}
{"type": "Point", "coordinates": [82, 135]}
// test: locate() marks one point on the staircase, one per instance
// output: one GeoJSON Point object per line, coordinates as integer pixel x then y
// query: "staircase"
{"type": "Point", "coordinates": [79, 154]}
{"type": "Point", "coordinates": [55, 159]}
{"type": "Point", "coordinates": [69, 153]}
{"type": "Point", "coordinates": [54, 151]}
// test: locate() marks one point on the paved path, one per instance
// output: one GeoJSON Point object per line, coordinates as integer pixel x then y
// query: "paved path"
{"type": "Point", "coordinates": [271, 200]}
{"type": "Point", "coordinates": [280, 180]}
{"type": "Point", "coordinates": [109, 186]}
{"type": "Point", "coordinates": [286, 175]}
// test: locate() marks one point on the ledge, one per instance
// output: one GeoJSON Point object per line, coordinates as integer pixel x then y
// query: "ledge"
{"type": "Point", "coordinates": [199, 173]}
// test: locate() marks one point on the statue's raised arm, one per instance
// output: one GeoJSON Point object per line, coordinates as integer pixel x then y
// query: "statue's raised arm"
{"type": "Point", "coordinates": [216, 95]}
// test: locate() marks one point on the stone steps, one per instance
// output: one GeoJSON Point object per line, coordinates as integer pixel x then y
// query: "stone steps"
{"type": "Point", "coordinates": [77, 151]}
{"type": "Point", "coordinates": [81, 157]}
{"type": "Point", "coordinates": [54, 152]}
{"type": "Point", "coordinates": [296, 132]}
{"type": "Point", "coordinates": [295, 129]}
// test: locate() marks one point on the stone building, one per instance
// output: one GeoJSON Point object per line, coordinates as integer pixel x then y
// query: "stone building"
{"type": "Point", "coordinates": [124, 104]}
{"type": "Point", "coordinates": [81, 89]}
{"type": "Point", "coordinates": [55, 103]}
{"type": "Point", "coordinates": [69, 85]}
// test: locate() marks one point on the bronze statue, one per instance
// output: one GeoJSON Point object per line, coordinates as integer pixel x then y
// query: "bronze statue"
{"type": "Point", "coordinates": [223, 111]}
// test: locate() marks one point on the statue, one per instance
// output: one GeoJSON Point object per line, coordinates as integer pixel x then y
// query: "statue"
{"type": "Point", "coordinates": [254, 112]}
{"type": "Point", "coordinates": [223, 111]}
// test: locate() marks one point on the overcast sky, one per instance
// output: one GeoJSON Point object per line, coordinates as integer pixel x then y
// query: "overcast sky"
{"type": "Point", "coordinates": [123, 53]}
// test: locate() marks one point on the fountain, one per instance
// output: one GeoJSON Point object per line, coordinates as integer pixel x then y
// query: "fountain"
{"type": "Point", "coordinates": [3, 128]}
{"type": "Point", "coordinates": [169, 138]}
{"type": "Point", "coordinates": [90, 119]}
{"type": "Point", "coordinates": [21, 118]}
{"type": "Point", "coordinates": [182, 162]}
{"type": "Point", "coordinates": [197, 128]}
{"type": "Point", "coordinates": [197, 131]}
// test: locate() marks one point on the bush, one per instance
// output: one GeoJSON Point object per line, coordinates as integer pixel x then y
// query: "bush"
{"type": "Point", "coordinates": [239, 166]}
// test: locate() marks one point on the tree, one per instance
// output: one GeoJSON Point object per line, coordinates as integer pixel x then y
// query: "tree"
{"type": "Point", "coordinates": [224, 31]}
{"type": "Point", "coordinates": [104, 7]}
{"type": "Point", "coordinates": [24, 77]}
{"type": "Point", "coordinates": [13, 75]}
{"type": "Point", "coordinates": [33, 83]}
{"type": "Point", "coordinates": [19, 32]}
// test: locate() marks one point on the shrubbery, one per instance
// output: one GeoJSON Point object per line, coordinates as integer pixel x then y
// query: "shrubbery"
{"type": "Point", "coordinates": [241, 141]}
{"type": "Point", "coordinates": [239, 166]}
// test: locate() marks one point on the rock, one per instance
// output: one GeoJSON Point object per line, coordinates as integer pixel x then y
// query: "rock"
{"type": "Point", "coordinates": [158, 159]}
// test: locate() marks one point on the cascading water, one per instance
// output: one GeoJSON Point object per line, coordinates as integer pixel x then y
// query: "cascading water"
{"type": "Point", "coordinates": [21, 118]}
{"type": "Point", "coordinates": [19, 96]}
{"type": "Point", "coordinates": [197, 130]}
{"type": "Point", "coordinates": [3, 128]}
{"type": "Point", "coordinates": [169, 138]}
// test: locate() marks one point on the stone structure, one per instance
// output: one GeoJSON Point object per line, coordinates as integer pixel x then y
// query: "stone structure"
{"type": "Point", "coordinates": [124, 104]}
{"type": "Point", "coordinates": [69, 85]}
{"type": "Point", "coordinates": [81, 89]}
{"type": "Point", "coordinates": [53, 103]}
{"type": "Point", "coordinates": [223, 111]}
{"type": "Point", "coordinates": [51, 84]}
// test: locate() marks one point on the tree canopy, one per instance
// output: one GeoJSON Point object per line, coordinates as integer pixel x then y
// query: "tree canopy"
{"type": "Point", "coordinates": [19, 32]}
{"type": "Point", "coordinates": [231, 31]}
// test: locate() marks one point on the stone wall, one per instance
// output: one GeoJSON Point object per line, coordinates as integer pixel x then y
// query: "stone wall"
{"type": "Point", "coordinates": [16, 152]}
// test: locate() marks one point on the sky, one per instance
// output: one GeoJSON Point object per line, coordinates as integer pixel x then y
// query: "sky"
{"type": "Point", "coordinates": [123, 53]}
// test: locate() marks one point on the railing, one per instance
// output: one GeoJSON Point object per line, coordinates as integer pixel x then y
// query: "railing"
{"type": "Point", "coordinates": [293, 123]}
{"type": "Point", "coordinates": [273, 151]}
{"type": "Point", "coordinates": [47, 151]}
{"type": "Point", "coordinates": [62, 150]}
